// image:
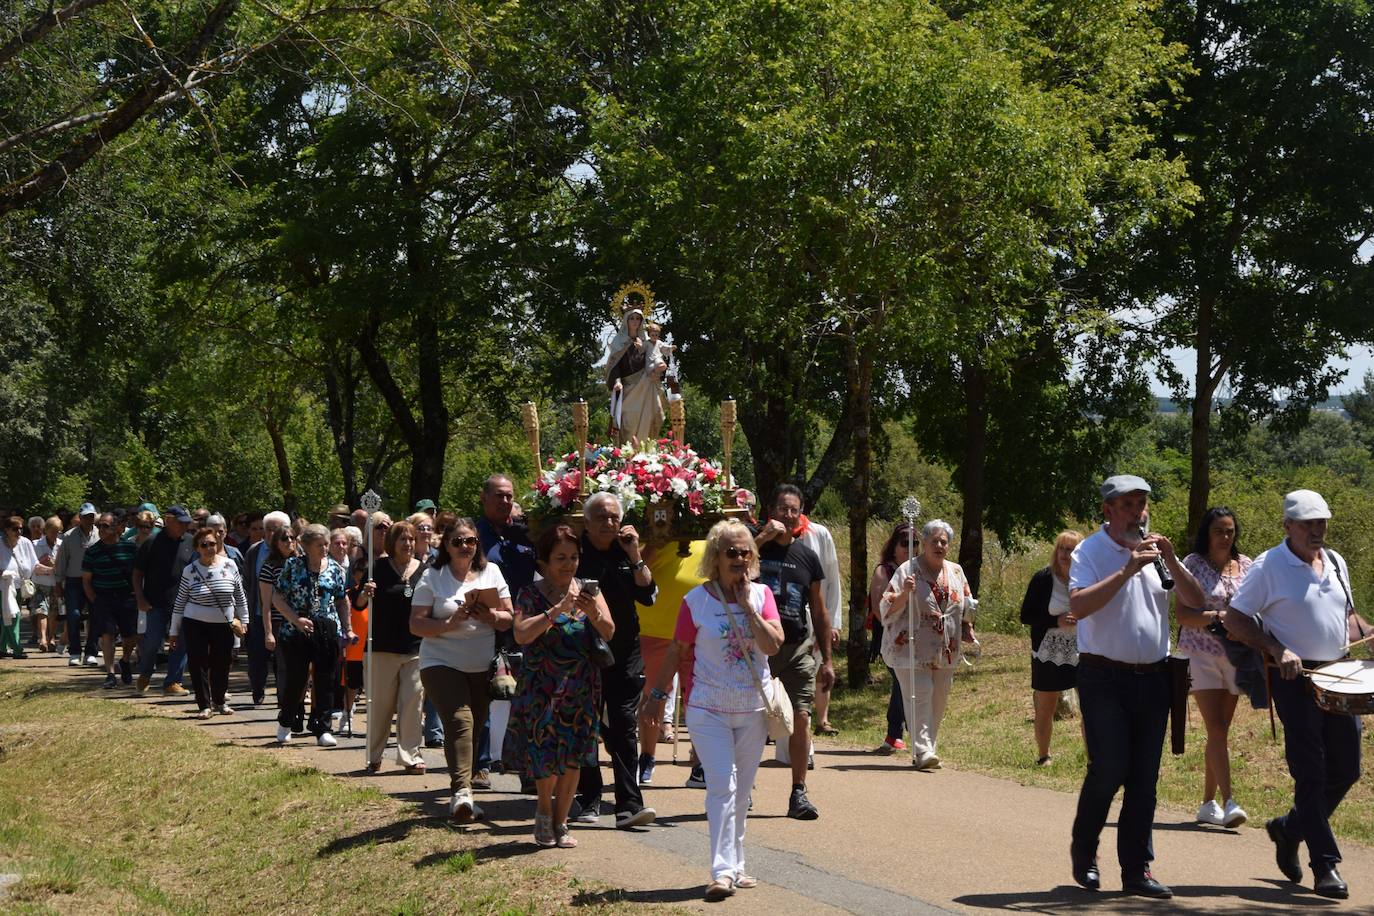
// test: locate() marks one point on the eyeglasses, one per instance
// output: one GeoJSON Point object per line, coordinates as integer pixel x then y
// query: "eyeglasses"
{"type": "Point", "coordinates": [464, 542]}
{"type": "Point", "coordinates": [104, 525]}
{"type": "Point", "coordinates": [739, 553]}
{"type": "Point", "coordinates": [213, 545]}
{"type": "Point", "coordinates": [424, 527]}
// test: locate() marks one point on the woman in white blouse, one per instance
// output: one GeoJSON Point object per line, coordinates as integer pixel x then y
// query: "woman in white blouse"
{"type": "Point", "coordinates": [210, 598]}
{"type": "Point", "coordinates": [731, 625]}
{"type": "Point", "coordinates": [17, 561]}
{"type": "Point", "coordinates": [1054, 639]}
{"type": "Point", "coordinates": [925, 621]}
{"type": "Point", "coordinates": [460, 604]}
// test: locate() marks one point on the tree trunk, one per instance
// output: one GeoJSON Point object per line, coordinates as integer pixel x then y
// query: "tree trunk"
{"type": "Point", "coordinates": [1200, 445]}
{"type": "Point", "coordinates": [427, 468]}
{"type": "Point", "coordinates": [341, 397]}
{"type": "Point", "coordinates": [975, 473]}
{"type": "Point", "coordinates": [859, 410]}
{"type": "Point", "coordinates": [288, 492]}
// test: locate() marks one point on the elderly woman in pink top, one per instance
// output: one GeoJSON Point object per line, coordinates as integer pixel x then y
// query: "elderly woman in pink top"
{"type": "Point", "coordinates": [731, 625]}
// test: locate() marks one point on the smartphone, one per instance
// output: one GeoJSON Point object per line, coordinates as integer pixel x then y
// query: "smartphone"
{"type": "Point", "coordinates": [591, 588]}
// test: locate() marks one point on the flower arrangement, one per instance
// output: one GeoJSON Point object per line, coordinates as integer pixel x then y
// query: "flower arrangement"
{"type": "Point", "coordinates": [664, 471]}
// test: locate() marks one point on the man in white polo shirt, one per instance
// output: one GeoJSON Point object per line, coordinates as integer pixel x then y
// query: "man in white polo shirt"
{"type": "Point", "coordinates": [1123, 679]}
{"type": "Point", "coordinates": [1301, 592]}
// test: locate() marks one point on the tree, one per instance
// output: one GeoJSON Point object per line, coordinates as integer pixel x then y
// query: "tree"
{"type": "Point", "coordinates": [1267, 277]}
{"type": "Point", "coordinates": [846, 194]}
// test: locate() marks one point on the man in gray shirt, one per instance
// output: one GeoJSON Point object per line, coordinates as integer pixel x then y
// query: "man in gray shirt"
{"type": "Point", "coordinates": [67, 573]}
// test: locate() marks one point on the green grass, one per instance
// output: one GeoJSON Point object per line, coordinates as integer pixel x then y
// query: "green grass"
{"type": "Point", "coordinates": [108, 809]}
{"type": "Point", "coordinates": [987, 729]}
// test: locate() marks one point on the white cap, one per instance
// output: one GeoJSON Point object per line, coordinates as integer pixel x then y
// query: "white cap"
{"type": "Point", "coordinates": [1304, 506]}
{"type": "Point", "coordinates": [1121, 484]}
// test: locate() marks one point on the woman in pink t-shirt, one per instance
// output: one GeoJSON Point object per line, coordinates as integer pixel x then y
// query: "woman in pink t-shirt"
{"type": "Point", "coordinates": [731, 626]}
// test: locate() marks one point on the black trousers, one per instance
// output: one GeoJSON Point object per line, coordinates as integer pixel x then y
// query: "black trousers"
{"type": "Point", "coordinates": [259, 659]}
{"type": "Point", "coordinates": [299, 653]}
{"type": "Point", "coordinates": [208, 649]}
{"type": "Point", "coordinates": [621, 685]}
{"type": "Point", "coordinates": [1125, 714]}
{"type": "Point", "coordinates": [1323, 751]}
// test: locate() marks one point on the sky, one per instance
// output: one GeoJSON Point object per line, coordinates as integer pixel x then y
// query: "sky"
{"type": "Point", "coordinates": [1359, 361]}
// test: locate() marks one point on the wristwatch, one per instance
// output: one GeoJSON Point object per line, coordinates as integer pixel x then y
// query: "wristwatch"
{"type": "Point", "coordinates": [638, 566]}
{"type": "Point", "coordinates": [657, 694]}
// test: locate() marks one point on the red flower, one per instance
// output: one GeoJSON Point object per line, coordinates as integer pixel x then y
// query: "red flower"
{"type": "Point", "coordinates": [695, 502]}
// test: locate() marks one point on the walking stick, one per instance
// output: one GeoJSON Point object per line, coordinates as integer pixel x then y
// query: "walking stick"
{"type": "Point", "coordinates": [911, 510]}
{"type": "Point", "coordinates": [370, 502]}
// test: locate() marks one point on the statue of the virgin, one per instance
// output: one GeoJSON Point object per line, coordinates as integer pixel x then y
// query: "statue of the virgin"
{"type": "Point", "coordinates": [634, 376]}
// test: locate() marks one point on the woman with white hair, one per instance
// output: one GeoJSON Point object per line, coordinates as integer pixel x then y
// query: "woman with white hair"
{"type": "Point", "coordinates": [925, 616]}
{"type": "Point", "coordinates": [17, 561]}
{"type": "Point", "coordinates": [731, 625]}
{"type": "Point", "coordinates": [310, 594]}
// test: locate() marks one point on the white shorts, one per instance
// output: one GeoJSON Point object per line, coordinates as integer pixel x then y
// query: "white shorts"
{"type": "Point", "coordinates": [1212, 672]}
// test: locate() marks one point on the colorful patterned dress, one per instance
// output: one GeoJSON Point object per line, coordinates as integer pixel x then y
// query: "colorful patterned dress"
{"type": "Point", "coordinates": [553, 719]}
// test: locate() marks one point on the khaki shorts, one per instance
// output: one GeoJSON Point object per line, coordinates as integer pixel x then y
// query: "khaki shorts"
{"type": "Point", "coordinates": [796, 667]}
{"type": "Point", "coordinates": [653, 649]}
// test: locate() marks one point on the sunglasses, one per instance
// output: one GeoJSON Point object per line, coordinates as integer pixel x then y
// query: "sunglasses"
{"type": "Point", "coordinates": [463, 542]}
{"type": "Point", "coordinates": [212, 544]}
{"type": "Point", "coordinates": [103, 526]}
{"type": "Point", "coordinates": [424, 527]}
{"type": "Point", "coordinates": [739, 553]}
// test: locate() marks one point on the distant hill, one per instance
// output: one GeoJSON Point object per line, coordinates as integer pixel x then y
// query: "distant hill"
{"type": "Point", "coordinates": [1164, 404]}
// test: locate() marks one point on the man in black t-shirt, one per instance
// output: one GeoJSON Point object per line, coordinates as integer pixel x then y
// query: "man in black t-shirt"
{"type": "Point", "coordinates": [794, 573]}
{"type": "Point", "coordinates": [610, 555]}
{"type": "Point", "coordinates": [157, 576]}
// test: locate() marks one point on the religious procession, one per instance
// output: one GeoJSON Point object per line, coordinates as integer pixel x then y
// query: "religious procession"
{"type": "Point", "coordinates": [801, 456]}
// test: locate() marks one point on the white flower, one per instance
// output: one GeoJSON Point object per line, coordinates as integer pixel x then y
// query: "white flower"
{"type": "Point", "coordinates": [678, 486]}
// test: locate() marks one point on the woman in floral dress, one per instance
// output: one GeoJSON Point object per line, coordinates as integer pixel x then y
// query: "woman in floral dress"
{"type": "Point", "coordinates": [553, 724]}
{"type": "Point", "coordinates": [941, 621]}
{"type": "Point", "coordinates": [1219, 566]}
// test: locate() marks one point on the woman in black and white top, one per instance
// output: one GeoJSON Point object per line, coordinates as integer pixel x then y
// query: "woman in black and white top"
{"type": "Point", "coordinates": [211, 595]}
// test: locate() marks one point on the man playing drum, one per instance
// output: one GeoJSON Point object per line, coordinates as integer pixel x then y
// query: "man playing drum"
{"type": "Point", "coordinates": [1301, 591]}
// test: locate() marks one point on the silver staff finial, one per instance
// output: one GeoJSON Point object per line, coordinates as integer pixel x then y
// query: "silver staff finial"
{"type": "Point", "coordinates": [370, 501]}
{"type": "Point", "coordinates": [911, 509]}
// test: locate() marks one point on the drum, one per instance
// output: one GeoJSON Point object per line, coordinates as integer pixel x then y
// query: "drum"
{"type": "Point", "coordinates": [1345, 687]}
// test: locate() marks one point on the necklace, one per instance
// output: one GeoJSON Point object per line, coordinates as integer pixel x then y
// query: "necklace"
{"type": "Point", "coordinates": [408, 591]}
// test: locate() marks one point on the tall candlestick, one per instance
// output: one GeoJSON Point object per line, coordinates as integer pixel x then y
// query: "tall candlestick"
{"type": "Point", "coordinates": [530, 415]}
{"type": "Point", "coordinates": [677, 415]}
{"type": "Point", "coordinates": [579, 412]}
{"type": "Point", "coordinates": [727, 438]}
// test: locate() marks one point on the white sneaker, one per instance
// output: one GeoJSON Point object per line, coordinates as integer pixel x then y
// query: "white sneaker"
{"type": "Point", "coordinates": [92, 661]}
{"type": "Point", "coordinates": [283, 734]}
{"type": "Point", "coordinates": [460, 807]}
{"type": "Point", "coordinates": [1210, 813]}
{"type": "Point", "coordinates": [73, 661]}
{"type": "Point", "coordinates": [224, 709]}
{"type": "Point", "coordinates": [204, 713]}
{"type": "Point", "coordinates": [927, 761]}
{"type": "Point", "coordinates": [326, 739]}
{"type": "Point", "coordinates": [1234, 815]}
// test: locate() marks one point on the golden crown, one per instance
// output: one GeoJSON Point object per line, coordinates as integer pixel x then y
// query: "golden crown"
{"type": "Point", "coordinates": [622, 297]}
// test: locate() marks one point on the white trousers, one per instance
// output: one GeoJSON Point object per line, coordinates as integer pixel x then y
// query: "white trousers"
{"type": "Point", "coordinates": [924, 712]}
{"type": "Point", "coordinates": [729, 746]}
{"type": "Point", "coordinates": [395, 691]}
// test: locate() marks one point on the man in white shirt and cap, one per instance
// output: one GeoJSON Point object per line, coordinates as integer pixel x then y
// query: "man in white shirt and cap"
{"type": "Point", "coordinates": [1122, 607]}
{"type": "Point", "coordinates": [1300, 591]}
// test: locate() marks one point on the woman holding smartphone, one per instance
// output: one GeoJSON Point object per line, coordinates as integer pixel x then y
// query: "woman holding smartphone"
{"type": "Point", "coordinates": [461, 601]}
{"type": "Point", "coordinates": [554, 718]}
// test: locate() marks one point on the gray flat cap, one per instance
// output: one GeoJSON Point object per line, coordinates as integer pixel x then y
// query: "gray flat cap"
{"type": "Point", "coordinates": [1121, 484]}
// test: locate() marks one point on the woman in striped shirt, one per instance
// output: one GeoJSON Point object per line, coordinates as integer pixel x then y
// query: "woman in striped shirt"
{"type": "Point", "coordinates": [211, 595]}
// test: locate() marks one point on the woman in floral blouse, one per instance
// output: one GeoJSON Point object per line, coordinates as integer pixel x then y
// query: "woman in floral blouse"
{"type": "Point", "coordinates": [940, 617]}
{"type": "Point", "coordinates": [310, 594]}
{"type": "Point", "coordinates": [1219, 566]}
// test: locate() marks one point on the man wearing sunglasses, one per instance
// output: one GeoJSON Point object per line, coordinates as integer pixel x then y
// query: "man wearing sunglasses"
{"type": "Point", "coordinates": [611, 557]}
{"type": "Point", "coordinates": [794, 573]}
{"type": "Point", "coordinates": [107, 576]}
{"type": "Point", "coordinates": [157, 576]}
{"type": "Point", "coordinates": [259, 659]}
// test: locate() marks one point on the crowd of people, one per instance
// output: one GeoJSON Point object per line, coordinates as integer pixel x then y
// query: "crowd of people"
{"type": "Point", "coordinates": [603, 633]}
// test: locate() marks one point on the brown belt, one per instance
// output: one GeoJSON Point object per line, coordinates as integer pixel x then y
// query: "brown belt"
{"type": "Point", "coordinates": [1102, 661]}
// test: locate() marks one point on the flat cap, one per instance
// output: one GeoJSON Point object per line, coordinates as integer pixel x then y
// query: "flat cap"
{"type": "Point", "coordinates": [1304, 506]}
{"type": "Point", "coordinates": [1121, 484]}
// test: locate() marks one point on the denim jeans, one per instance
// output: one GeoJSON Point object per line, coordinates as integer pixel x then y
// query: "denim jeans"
{"type": "Point", "coordinates": [434, 726]}
{"type": "Point", "coordinates": [1323, 751]}
{"type": "Point", "coordinates": [159, 622]}
{"type": "Point", "coordinates": [75, 596]}
{"type": "Point", "coordinates": [1125, 714]}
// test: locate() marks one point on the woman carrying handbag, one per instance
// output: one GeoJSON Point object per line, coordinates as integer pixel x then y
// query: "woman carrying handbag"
{"type": "Point", "coordinates": [731, 625]}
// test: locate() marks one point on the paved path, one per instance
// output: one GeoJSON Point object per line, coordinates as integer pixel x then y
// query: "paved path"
{"type": "Point", "coordinates": [890, 840]}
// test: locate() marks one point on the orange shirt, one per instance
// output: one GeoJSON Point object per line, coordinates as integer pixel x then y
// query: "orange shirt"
{"type": "Point", "coordinates": [354, 653]}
